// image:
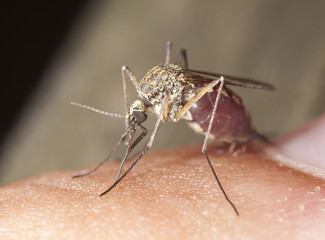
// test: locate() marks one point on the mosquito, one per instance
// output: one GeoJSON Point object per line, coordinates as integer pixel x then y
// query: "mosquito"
{"type": "Point", "coordinates": [173, 92]}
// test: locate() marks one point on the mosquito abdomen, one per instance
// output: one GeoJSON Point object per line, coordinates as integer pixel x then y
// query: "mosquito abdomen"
{"type": "Point", "coordinates": [232, 122]}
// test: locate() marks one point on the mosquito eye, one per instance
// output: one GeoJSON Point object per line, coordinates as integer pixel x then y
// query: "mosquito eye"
{"type": "Point", "coordinates": [140, 116]}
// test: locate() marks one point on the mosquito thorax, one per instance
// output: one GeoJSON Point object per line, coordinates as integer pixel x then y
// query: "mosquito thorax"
{"type": "Point", "coordinates": [138, 112]}
{"type": "Point", "coordinates": [162, 79]}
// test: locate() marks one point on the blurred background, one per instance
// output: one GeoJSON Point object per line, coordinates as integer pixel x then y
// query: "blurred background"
{"type": "Point", "coordinates": [54, 53]}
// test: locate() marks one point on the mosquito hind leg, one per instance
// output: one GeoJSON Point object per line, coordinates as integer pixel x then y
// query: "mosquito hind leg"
{"type": "Point", "coordinates": [200, 94]}
{"type": "Point", "coordinates": [204, 147]}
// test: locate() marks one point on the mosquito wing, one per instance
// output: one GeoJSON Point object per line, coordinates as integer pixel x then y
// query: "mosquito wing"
{"type": "Point", "coordinates": [206, 77]}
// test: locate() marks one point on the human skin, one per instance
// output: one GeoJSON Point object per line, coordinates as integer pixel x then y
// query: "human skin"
{"type": "Point", "coordinates": [171, 195]}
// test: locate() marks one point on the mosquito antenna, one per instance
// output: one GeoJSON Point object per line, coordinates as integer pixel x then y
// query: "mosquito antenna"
{"type": "Point", "coordinates": [117, 115]}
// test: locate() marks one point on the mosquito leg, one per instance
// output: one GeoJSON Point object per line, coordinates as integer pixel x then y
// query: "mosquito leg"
{"type": "Point", "coordinates": [182, 59]}
{"type": "Point", "coordinates": [160, 117]}
{"type": "Point", "coordinates": [165, 109]}
{"type": "Point", "coordinates": [138, 140]}
{"type": "Point", "coordinates": [130, 139]}
{"type": "Point", "coordinates": [232, 147]}
{"type": "Point", "coordinates": [221, 81]}
{"type": "Point", "coordinates": [236, 148]}
{"type": "Point", "coordinates": [126, 172]}
{"type": "Point", "coordinates": [145, 149]}
{"type": "Point", "coordinates": [168, 52]}
{"type": "Point", "coordinates": [122, 139]}
{"type": "Point", "coordinates": [193, 100]}
{"type": "Point", "coordinates": [126, 70]}
{"type": "Point", "coordinates": [204, 147]}
{"type": "Point", "coordinates": [130, 148]}
{"type": "Point", "coordinates": [219, 183]}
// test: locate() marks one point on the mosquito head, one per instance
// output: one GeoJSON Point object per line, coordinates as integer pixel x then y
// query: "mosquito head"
{"type": "Point", "coordinates": [138, 112]}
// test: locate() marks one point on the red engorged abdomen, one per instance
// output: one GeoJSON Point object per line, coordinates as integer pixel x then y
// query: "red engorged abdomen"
{"type": "Point", "coordinates": [232, 121]}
